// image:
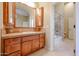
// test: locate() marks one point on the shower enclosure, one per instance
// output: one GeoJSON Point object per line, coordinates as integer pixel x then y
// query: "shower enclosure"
{"type": "Point", "coordinates": [59, 28]}
{"type": "Point", "coordinates": [59, 24]}
{"type": "Point", "coordinates": [59, 19]}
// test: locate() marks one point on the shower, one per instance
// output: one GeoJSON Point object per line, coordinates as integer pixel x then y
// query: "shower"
{"type": "Point", "coordinates": [59, 19]}
{"type": "Point", "coordinates": [59, 24]}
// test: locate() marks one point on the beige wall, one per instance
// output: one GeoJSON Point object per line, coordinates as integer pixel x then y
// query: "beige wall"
{"type": "Point", "coordinates": [1, 19]}
{"type": "Point", "coordinates": [48, 26]}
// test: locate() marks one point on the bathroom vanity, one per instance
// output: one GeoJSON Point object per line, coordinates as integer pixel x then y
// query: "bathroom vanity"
{"type": "Point", "coordinates": [21, 44]}
{"type": "Point", "coordinates": [23, 29]}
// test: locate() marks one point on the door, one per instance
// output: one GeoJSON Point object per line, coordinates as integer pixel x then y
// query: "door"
{"type": "Point", "coordinates": [71, 25]}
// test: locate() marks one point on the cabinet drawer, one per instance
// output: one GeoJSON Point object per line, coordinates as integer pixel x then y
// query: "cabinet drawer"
{"type": "Point", "coordinates": [12, 48]}
{"type": "Point", "coordinates": [12, 41]}
{"type": "Point", "coordinates": [30, 38]}
{"type": "Point", "coordinates": [15, 54]}
{"type": "Point", "coordinates": [35, 44]}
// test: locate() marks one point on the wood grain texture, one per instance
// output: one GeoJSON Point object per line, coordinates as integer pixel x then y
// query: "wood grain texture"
{"type": "Point", "coordinates": [5, 13]}
{"type": "Point", "coordinates": [14, 13]}
{"type": "Point", "coordinates": [26, 48]}
{"type": "Point", "coordinates": [35, 44]}
{"type": "Point", "coordinates": [25, 45]}
{"type": "Point", "coordinates": [18, 53]}
{"type": "Point", "coordinates": [42, 40]}
{"type": "Point", "coordinates": [39, 19]}
{"type": "Point", "coordinates": [12, 48]}
{"type": "Point", "coordinates": [12, 41]}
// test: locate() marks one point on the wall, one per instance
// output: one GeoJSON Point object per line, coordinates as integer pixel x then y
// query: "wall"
{"type": "Point", "coordinates": [1, 19]}
{"type": "Point", "coordinates": [48, 24]}
{"type": "Point", "coordinates": [77, 29]}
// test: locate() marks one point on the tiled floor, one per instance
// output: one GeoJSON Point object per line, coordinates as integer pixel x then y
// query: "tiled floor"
{"type": "Point", "coordinates": [65, 49]}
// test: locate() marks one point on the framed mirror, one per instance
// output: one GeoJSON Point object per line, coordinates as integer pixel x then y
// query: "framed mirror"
{"type": "Point", "coordinates": [20, 15]}
{"type": "Point", "coordinates": [25, 15]}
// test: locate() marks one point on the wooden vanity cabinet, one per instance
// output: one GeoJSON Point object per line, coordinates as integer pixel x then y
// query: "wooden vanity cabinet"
{"type": "Point", "coordinates": [11, 45]}
{"type": "Point", "coordinates": [12, 48]}
{"type": "Point", "coordinates": [23, 45]}
{"type": "Point", "coordinates": [42, 40]}
{"type": "Point", "coordinates": [18, 53]}
{"type": "Point", "coordinates": [12, 41]}
{"type": "Point", "coordinates": [26, 48]}
{"type": "Point", "coordinates": [30, 44]}
{"type": "Point", "coordinates": [35, 45]}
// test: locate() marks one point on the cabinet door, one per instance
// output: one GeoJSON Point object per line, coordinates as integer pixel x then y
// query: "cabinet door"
{"type": "Point", "coordinates": [42, 40]}
{"type": "Point", "coordinates": [35, 44]}
{"type": "Point", "coordinates": [12, 48]}
{"type": "Point", "coordinates": [26, 47]}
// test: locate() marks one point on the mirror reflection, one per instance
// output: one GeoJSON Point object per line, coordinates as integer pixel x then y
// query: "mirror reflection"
{"type": "Point", "coordinates": [25, 15]}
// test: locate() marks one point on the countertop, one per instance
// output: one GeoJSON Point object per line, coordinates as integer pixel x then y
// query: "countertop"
{"type": "Point", "coordinates": [13, 35]}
